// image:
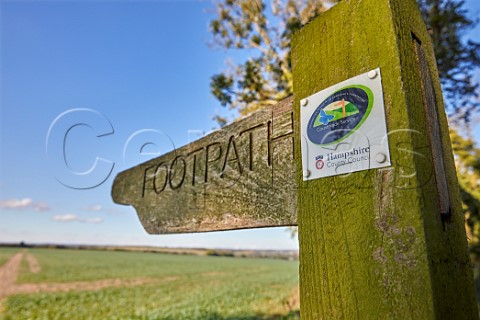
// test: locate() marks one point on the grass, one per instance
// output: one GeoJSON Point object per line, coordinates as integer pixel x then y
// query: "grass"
{"type": "Point", "coordinates": [83, 265]}
{"type": "Point", "coordinates": [198, 287]}
{"type": "Point", "coordinates": [6, 253]}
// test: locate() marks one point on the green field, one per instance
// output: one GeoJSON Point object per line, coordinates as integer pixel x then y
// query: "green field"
{"type": "Point", "coordinates": [173, 287]}
{"type": "Point", "coordinates": [6, 253]}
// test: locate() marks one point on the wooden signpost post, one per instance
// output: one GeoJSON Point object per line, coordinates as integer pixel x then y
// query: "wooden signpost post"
{"type": "Point", "coordinates": [384, 243]}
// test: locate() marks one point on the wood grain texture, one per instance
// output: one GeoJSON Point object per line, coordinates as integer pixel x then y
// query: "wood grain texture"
{"type": "Point", "coordinates": [373, 244]}
{"type": "Point", "coordinates": [433, 126]}
{"type": "Point", "coordinates": [242, 176]}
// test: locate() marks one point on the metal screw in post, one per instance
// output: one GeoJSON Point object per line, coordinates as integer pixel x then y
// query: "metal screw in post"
{"type": "Point", "coordinates": [304, 102]}
{"type": "Point", "coordinates": [372, 74]}
{"type": "Point", "coordinates": [380, 158]}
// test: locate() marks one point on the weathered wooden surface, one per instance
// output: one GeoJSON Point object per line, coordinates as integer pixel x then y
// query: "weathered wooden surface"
{"type": "Point", "coordinates": [379, 244]}
{"type": "Point", "coordinates": [433, 129]}
{"type": "Point", "coordinates": [242, 176]}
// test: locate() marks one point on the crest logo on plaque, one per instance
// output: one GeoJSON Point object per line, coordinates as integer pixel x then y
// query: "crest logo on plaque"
{"type": "Point", "coordinates": [340, 115]}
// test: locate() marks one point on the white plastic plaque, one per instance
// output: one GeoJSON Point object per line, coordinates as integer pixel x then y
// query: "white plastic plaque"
{"type": "Point", "coordinates": [343, 128]}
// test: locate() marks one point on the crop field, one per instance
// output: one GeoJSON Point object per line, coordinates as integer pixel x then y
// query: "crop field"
{"type": "Point", "coordinates": [6, 253]}
{"type": "Point", "coordinates": [81, 284]}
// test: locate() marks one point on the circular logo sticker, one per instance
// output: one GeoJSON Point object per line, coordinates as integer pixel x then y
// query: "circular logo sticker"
{"type": "Point", "coordinates": [339, 115]}
{"type": "Point", "coordinates": [319, 164]}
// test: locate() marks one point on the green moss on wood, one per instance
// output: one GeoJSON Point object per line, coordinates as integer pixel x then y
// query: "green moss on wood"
{"type": "Point", "coordinates": [372, 244]}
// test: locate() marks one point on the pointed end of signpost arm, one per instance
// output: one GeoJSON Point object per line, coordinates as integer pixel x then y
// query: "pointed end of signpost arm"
{"type": "Point", "coordinates": [119, 192]}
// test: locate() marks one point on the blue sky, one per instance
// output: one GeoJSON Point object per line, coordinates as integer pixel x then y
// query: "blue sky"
{"type": "Point", "coordinates": [138, 65]}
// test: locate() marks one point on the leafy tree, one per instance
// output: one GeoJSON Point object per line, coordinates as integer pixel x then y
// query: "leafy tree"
{"type": "Point", "coordinates": [248, 25]}
{"type": "Point", "coordinates": [457, 60]}
{"type": "Point", "coordinates": [467, 161]}
{"type": "Point", "coordinates": [265, 31]}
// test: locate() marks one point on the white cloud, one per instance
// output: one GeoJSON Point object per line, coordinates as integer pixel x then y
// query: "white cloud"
{"type": "Point", "coordinates": [95, 207]}
{"type": "Point", "coordinates": [41, 206]}
{"type": "Point", "coordinates": [69, 217]}
{"type": "Point", "coordinates": [100, 208]}
{"type": "Point", "coordinates": [65, 217]}
{"type": "Point", "coordinates": [25, 203]}
{"type": "Point", "coordinates": [16, 203]}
